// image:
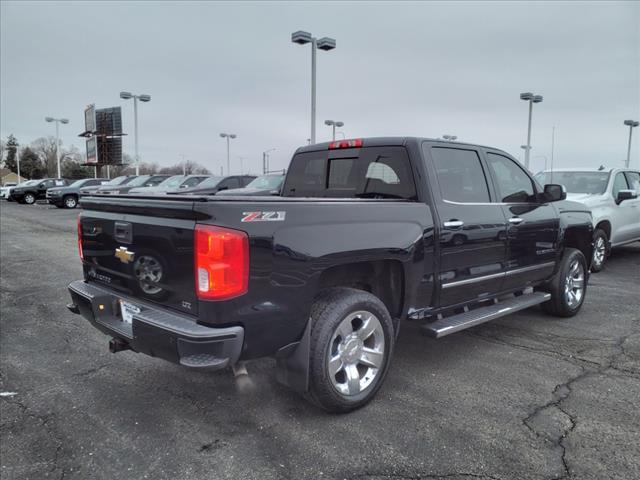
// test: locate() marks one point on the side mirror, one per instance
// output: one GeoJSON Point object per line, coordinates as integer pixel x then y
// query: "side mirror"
{"type": "Point", "coordinates": [274, 192]}
{"type": "Point", "coordinates": [626, 195]}
{"type": "Point", "coordinates": [554, 192]}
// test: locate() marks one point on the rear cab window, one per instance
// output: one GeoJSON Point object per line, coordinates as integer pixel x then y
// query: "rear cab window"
{"type": "Point", "coordinates": [367, 172]}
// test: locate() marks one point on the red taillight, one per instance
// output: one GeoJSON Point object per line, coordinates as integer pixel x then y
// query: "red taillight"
{"type": "Point", "coordinates": [356, 143]}
{"type": "Point", "coordinates": [80, 238]}
{"type": "Point", "coordinates": [221, 262]}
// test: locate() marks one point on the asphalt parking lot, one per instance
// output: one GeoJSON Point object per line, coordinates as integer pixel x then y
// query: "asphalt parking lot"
{"type": "Point", "coordinates": [528, 396]}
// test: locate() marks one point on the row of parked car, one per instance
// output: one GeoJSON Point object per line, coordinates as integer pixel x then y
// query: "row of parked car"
{"type": "Point", "coordinates": [66, 194]}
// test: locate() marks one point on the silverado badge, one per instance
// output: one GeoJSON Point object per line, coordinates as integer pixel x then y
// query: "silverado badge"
{"type": "Point", "coordinates": [124, 255]}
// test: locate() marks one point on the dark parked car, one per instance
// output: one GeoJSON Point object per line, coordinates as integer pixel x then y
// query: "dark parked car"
{"type": "Point", "coordinates": [322, 277]}
{"type": "Point", "coordinates": [138, 182]}
{"type": "Point", "coordinates": [213, 185]}
{"type": "Point", "coordinates": [262, 185]}
{"type": "Point", "coordinates": [117, 181]}
{"type": "Point", "coordinates": [35, 191]}
{"type": "Point", "coordinates": [67, 197]}
{"type": "Point", "coordinates": [171, 183]}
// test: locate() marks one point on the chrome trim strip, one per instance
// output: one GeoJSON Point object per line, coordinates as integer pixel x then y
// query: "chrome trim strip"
{"type": "Point", "coordinates": [530, 267]}
{"type": "Point", "coordinates": [516, 271]}
{"type": "Point", "coordinates": [467, 281]}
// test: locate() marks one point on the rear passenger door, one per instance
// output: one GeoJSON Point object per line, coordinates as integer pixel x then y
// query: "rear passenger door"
{"type": "Point", "coordinates": [532, 224]}
{"type": "Point", "coordinates": [472, 228]}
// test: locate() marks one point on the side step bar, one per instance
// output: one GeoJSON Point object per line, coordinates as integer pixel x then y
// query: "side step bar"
{"type": "Point", "coordinates": [462, 321]}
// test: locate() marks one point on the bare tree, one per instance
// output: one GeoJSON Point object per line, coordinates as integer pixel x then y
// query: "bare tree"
{"type": "Point", "coordinates": [45, 149]}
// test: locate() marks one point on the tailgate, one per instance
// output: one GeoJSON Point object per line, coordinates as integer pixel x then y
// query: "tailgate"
{"type": "Point", "coordinates": [141, 247]}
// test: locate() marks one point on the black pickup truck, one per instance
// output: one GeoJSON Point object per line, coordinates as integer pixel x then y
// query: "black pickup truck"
{"type": "Point", "coordinates": [368, 233]}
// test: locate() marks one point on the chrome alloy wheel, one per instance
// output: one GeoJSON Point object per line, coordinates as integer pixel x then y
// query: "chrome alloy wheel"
{"type": "Point", "coordinates": [574, 284]}
{"type": "Point", "coordinates": [599, 251]}
{"type": "Point", "coordinates": [148, 271]}
{"type": "Point", "coordinates": [70, 202]}
{"type": "Point", "coordinates": [356, 353]}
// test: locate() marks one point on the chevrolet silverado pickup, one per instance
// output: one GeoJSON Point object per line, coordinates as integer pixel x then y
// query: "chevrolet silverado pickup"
{"type": "Point", "coordinates": [367, 234]}
{"type": "Point", "coordinates": [612, 195]}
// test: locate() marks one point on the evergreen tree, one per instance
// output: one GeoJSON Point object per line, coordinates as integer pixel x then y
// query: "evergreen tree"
{"type": "Point", "coordinates": [12, 154]}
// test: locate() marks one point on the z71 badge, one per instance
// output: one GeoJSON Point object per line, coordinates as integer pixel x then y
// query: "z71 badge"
{"type": "Point", "coordinates": [263, 216]}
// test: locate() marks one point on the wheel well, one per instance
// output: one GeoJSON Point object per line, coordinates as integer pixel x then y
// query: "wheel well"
{"type": "Point", "coordinates": [576, 238]}
{"type": "Point", "coordinates": [605, 226]}
{"type": "Point", "coordinates": [382, 278]}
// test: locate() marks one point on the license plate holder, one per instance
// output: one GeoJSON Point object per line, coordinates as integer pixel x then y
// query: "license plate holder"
{"type": "Point", "coordinates": [127, 310]}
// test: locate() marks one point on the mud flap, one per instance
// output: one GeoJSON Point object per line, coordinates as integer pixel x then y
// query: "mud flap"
{"type": "Point", "coordinates": [292, 363]}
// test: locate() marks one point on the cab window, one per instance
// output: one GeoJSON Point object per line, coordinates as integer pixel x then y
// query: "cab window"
{"type": "Point", "coordinates": [633, 179]}
{"type": "Point", "coordinates": [460, 175]}
{"type": "Point", "coordinates": [514, 185]}
{"type": "Point", "coordinates": [619, 183]}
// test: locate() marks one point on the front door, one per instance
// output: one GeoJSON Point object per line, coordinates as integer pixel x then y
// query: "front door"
{"type": "Point", "coordinates": [626, 219]}
{"type": "Point", "coordinates": [532, 224]}
{"type": "Point", "coordinates": [472, 229]}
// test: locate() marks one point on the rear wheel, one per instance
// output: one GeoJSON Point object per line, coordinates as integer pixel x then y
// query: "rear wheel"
{"type": "Point", "coordinates": [29, 198]}
{"type": "Point", "coordinates": [351, 345]}
{"type": "Point", "coordinates": [569, 286]}
{"type": "Point", "coordinates": [599, 250]}
{"type": "Point", "coordinates": [70, 201]}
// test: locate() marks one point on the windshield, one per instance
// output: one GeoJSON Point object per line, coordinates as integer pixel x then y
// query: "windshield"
{"type": "Point", "coordinates": [117, 180]}
{"type": "Point", "coordinates": [267, 182]}
{"type": "Point", "coordinates": [28, 182]}
{"type": "Point", "coordinates": [592, 183]}
{"type": "Point", "coordinates": [209, 182]}
{"type": "Point", "coordinates": [138, 181]}
{"type": "Point", "coordinates": [78, 183]}
{"type": "Point", "coordinates": [172, 182]}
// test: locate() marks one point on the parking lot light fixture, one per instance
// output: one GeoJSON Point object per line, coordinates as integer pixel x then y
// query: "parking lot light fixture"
{"type": "Point", "coordinates": [333, 124]}
{"type": "Point", "coordinates": [325, 43]}
{"type": "Point", "coordinates": [531, 98]}
{"type": "Point", "coordinates": [631, 124]}
{"type": "Point", "coordinates": [58, 121]}
{"type": "Point", "coordinates": [228, 136]}
{"type": "Point", "coordinates": [143, 98]}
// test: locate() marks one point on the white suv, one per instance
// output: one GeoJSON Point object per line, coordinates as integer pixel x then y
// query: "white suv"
{"type": "Point", "coordinates": [613, 195]}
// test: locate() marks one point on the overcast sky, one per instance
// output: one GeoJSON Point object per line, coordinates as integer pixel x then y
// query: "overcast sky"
{"type": "Point", "coordinates": [422, 69]}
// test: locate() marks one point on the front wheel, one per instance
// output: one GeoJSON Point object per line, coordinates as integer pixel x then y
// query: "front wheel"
{"type": "Point", "coordinates": [70, 201]}
{"type": "Point", "coordinates": [351, 346]}
{"type": "Point", "coordinates": [599, 250]}
{"type": "Point", "coordinates": [569, 285]}
{"type": "Point", "coordinates": [29, 199]}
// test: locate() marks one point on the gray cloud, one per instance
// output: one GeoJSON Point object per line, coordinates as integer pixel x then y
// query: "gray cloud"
{"type": "Point", "coordinates": [400, 69]}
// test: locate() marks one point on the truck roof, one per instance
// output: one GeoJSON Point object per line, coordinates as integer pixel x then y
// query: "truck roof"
{"type": "Point", "coordinates": [391, 141]}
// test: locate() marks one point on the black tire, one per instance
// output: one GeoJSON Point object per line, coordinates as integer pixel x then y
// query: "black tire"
{"type": "Point", "coordinates": [70, 201]}
{"type": "Point", "coordinates": [331, 310]}
{"type": "Point", "coordinates": [600, 250]}
{"type": "Point", "coordinates": [29, 198]}
{"type": "Point", "coordinates": [560, 305]}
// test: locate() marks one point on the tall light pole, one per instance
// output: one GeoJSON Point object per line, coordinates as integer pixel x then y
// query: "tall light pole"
{"type": "Point", "coordinates": [324, 43]}
{"type": "Point", "coordinates": [265, 160]}
{"type": "Point", "coordinates": [531, 98]}
{"type": "Point", "coordinates": [228, 136]}
{"type": "Point", "coordinates": [631, 124]}
{"type": "Point", "coordinates": [241, 164]}
{"type": "Point", "coordinates": [334, 124]}
{"type": "Point", "coordinates": [58, 121]}
{"type": "Point", "coordinates": [142, 98]}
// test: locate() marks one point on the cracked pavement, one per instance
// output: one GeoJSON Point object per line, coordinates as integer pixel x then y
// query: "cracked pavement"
{"type": "Point", "coordinates": [528, 396]}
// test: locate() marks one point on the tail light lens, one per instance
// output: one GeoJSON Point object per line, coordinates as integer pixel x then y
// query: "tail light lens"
{"type": "Point", "coordinates": [221, 262]}
{"type": "Point", "coordinates": [80, 238]}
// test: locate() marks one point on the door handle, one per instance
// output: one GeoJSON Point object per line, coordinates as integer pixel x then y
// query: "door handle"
{"type": "Point", "coordinates": [516, 220]}
{"type": "Point", "coordinates": [453, 223]}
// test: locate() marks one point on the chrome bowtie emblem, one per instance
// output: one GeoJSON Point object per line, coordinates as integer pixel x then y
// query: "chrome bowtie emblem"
{"type": "Point", "coordinates": [124, 255]}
